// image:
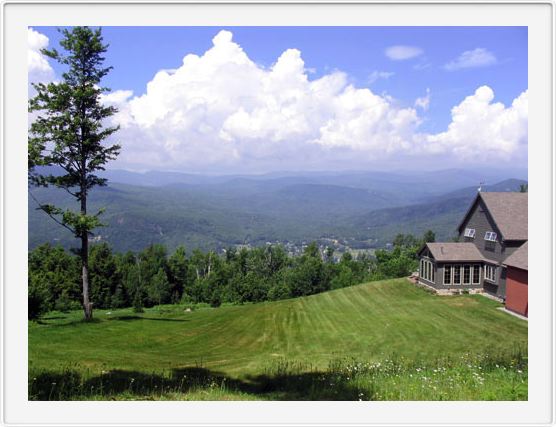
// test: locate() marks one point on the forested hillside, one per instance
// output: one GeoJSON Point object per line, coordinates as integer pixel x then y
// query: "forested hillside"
{"type": "Point", "coordinates": [441, 214]}
{"type": "Point", "coordinates": [362, 209]}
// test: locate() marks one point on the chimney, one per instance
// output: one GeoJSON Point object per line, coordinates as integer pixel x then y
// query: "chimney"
{"type": "Point", "coordinates": [442, 250]}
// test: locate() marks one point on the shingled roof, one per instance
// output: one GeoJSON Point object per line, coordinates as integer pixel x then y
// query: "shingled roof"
{"type": "Point", "coordinates": [455, 251]}
{"type": "Point", "coordinates": [509, 211]}
{"type": "Point", "coordinates": [519, 258]}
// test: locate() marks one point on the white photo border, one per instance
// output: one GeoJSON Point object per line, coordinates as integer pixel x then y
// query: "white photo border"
{"type": "Point", "coordinates": [17, 16]}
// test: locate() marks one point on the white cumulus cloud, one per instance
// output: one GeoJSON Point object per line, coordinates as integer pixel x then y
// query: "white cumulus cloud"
{"type": "Point", "coordinates": [482, 130]}
{"type": "Point", "coordinates": [38, 68]}
{"type": "Point", "coordinates": [478, 57]}
{"type": "Point", "coordinates": [116, 98]}
{"type": "Point", "coordinates": [222, 110]}
{"type": "Point", "coordinates": [401, 52]}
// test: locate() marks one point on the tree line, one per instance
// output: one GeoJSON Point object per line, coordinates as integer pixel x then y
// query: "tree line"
{"type": "Point", "coordinates": [70, 133]}
{"type": "Point", "coordinates": [154, 277]}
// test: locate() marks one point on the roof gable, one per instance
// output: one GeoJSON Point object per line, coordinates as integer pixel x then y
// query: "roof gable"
{"type": "Point", "coordinates": [509, 211]}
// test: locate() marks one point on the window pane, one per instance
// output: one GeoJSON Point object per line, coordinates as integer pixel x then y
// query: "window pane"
{"type": "Point", "coordinates": [490, 236]}
{"type": "Point", "coordinates": [447, 274]}
{"type": "Point", "coordinates": [476, 274]}
{"type": "Point", "coordinates": [469, 232]}
{"type": "Point", "coordinates": [457, 276]}
{"type": "Point", "coordinates": [466, 274]}
{"type": "Point", "coordinates": [490, 272]}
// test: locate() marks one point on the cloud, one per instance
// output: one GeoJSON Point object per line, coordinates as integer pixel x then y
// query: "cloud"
{"type": "Point", "coordinates": [400, 52]}
{"type": "Point", "coordinates": [220, 111]}
{"type": "Point", "coordinates": [38, 68]}
{"type": "Point", "coordinates": [478, 57]}
{"type": "Point", "coordinates": [482, 130]}
{"type": "Point", "coordinates": [116, 98]}
{"type": "Point", "coordinates": [377, 75]}
{"type": "Point", "coordinates": [424, 101]}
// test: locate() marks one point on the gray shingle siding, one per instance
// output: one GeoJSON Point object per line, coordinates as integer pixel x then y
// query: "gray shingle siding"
{"type": "Point", "coordinates": [480, 219]}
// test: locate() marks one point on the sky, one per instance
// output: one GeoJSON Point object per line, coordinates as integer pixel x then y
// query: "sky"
{"type": "Point", "coordinates": [262, 99]}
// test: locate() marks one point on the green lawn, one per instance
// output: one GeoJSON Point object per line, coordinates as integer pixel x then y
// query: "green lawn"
{"type": "Point", "coordinates": [236, 346]}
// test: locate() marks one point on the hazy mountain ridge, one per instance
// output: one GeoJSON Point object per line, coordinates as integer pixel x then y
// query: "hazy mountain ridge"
{"type": "Point", "coordinates": [222, 211]}
{"type": "Point", "coordinates": [441, 214]}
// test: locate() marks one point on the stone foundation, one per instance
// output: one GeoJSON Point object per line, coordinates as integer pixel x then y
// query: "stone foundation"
{"type": "Point", "coordinates": [447, 291]}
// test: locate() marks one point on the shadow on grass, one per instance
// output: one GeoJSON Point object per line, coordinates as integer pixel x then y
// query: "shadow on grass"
{"type": "Point", "coordinates": [132, 317]}
{"type": "Point", "coordinates": [53, 318]}
{"type": "Point", "coordinates": [45, 321]}
{"type": "Point", "coordinates": [70, 385]}
{"type": "Point", "coordinates": [128, 318]}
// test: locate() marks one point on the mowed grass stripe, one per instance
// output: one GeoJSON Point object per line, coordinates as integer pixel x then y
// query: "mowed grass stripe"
{"type": "Point", "coordinates": [365, 322]}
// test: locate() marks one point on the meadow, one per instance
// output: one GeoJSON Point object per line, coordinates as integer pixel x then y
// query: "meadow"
{"type": "Point", "coordinates": [384, 340]}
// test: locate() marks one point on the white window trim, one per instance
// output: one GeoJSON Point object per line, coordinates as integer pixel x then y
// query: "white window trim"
{"type": "Point", "coordinates": [493, 267]}
{"type": "Point", "coordinates": [458, 266]}
{"type": "Point", "coordinates": [491, 236]}
{"type": "Point", "coordinates": [469, 232]}
{"type": "Point", "coordinates": [473, 274]}
{"type": "Point", "coordinates": [462, 272]}
{"type": "Point", "coordinates": [444, 274]}
{"type": "Point", "coordinates": [427, 270]}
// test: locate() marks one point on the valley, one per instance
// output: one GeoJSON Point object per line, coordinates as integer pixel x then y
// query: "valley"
{"type": "Point", "coordinates": [348, 211]}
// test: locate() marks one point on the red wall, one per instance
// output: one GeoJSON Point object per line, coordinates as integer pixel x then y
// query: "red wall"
{"type": "Point", "coordinates": [516, 290]}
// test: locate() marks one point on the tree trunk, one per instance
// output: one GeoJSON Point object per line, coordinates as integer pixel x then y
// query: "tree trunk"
{"type": "Point", "coordinates": [87, 305]}
{"type": "Point", "coordinates": [209, 263]}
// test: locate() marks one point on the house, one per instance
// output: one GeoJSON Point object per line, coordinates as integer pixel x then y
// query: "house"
{"type": "Point", "coordinates": [492, 243]}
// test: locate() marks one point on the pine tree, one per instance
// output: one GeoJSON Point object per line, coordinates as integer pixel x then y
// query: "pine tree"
{"type": "Point", "coordinates": [69, 133]}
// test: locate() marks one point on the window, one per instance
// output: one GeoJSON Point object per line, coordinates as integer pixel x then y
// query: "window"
{"type": "Point", "coordinates": [469, 232]}
{"type": "Point", "coordinates": [426, 270]}
{"type": "Point", "coordinates": [490, 236]}
{"type": "Point", "coordinates": [457, 275]}
{"type": "Point", "coordinates": [476, 274]}
{"type": "Point", "coordinates": [447, 274]}
{"type": "Point", "coordinates": [466, 274]}
{"type": "Point", "coordinates": [490, 273]}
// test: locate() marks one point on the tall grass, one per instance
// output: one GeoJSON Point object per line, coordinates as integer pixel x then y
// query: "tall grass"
{"type": "Point", "coordinates": [483, 376]}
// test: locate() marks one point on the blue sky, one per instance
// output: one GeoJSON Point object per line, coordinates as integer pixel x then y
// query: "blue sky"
{"type": "Point", "coordinates": [442, 66]}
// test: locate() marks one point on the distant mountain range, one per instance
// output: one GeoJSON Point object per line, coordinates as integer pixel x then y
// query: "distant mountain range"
{"type": "Point", "coordinates": [442, 214]}
{"type": "Point", "coordinates": [365, 208]}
